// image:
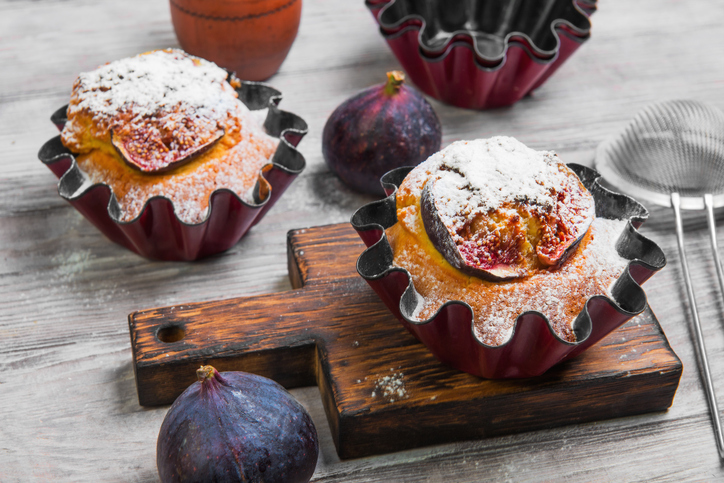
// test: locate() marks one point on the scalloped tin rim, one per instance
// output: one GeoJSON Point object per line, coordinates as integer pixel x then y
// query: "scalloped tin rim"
{"type": "Point", "coordinates": [458, 76]}
{"type": "Point", "coordinates": [80, 193]}
{"type": "Point", "coordinates": [483, 63]}
{"type": "Point", "coordinates": [390, 30]}
{"type": "Point", "coordinates": [286, 126]}
{"type": "Point", "coordinates": [587, 175]}
{"type": "Point", "coordinates": [418, 322]}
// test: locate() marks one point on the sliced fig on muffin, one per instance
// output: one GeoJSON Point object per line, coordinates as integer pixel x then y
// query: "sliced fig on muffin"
{"type": "Point", "coordinates": [483, 252]}
{"type": "Point", "coordinates": [152, 148]}
{"type": "Point", "coordinates": [485, 228]}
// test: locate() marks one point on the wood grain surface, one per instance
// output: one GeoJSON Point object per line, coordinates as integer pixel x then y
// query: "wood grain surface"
{"type": "Point", "coordinates": [68, 401]}
{"type": "Point", "coordinates": [384, 391]}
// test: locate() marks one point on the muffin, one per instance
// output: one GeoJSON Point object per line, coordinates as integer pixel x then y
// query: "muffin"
{"type": "Point", "coordinates": [171, 156]}
{"type": "Point", "coordinates": [168, 124]}
{"type": "Point", "coordinates": [507, 230]}
{"type": "Point", "coordinates": [502, 260]}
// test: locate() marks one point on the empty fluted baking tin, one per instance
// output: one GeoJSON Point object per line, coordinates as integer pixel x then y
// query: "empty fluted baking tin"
{"type": "Point", "coordinates": [533, 346]}
{"type": "Point", "coordinates": [157, 232]}
{"type": "Point", "coordinates": [482, 54]}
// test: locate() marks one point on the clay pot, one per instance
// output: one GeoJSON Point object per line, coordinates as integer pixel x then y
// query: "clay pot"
{"type": "Point", "coordinates": [249, 37]}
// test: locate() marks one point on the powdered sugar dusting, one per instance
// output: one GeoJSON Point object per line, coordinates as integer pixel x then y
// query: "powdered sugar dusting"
{"type": "Point", "coordinates": [487, 173]}
{"type": "Point", "coordinates": [474, 178]}
{"type": "Point", "coordinates": [390, 388]}
{"type": "Point", "coordinates": [160, 80]}
{"type": "Point", "coordinates": [170, 104]}
{"type": "Point", "coordinates": [497, 170]}
{"type": "Point", "coordinates": [237, 169]}
{"type": "Point", "coordinates": [558, 294]}
{"type": "Point", "coordinates": [486, 178]}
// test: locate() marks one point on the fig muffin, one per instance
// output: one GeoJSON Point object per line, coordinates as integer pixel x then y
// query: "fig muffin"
{"type": "Point", "coordinates": [171, 156]}
{"type": "Point", "coordinates": [503, 260]}
{"type": "Point", "coordinates": [165, 123]}
{"type": "Point", "coordinates": [507, 230]}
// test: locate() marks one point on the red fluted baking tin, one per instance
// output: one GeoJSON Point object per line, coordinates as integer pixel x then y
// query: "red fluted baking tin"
{"type": "Point", "coordinates": [482, 55]}
{"type": "Point", "coordinates": [533, 347]}
{"type": "Point", "coordinates": [157, 232]}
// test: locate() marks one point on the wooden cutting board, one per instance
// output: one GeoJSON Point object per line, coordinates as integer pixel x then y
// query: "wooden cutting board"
{"type": "Point", "coordinates": [382, 390]}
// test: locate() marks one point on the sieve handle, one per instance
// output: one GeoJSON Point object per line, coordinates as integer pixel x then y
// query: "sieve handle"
{"type": "Point", "coordinates": [699, 338]}
{"type": "Point", "coordinates": [709, 204]}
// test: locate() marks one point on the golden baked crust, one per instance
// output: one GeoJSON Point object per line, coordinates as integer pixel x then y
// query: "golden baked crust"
{"type": "Point", "coordinates": [559, 292]}
{"type": "Point", "coordinates": [161, 107]}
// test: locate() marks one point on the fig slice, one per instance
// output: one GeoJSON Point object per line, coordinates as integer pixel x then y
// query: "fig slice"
{"type": "Point", "coordinates": [562, 232]}
{"type": "Point", "coordinates": [557, 252]}
{"type": "Point", "coordinates": [151, 148]}
{"type": "Point", "coordinates": [498, 210]}
{"type": "Point", "coordinates": [492, 245]}
{"type": "Point", "coordinates": [481, 256]}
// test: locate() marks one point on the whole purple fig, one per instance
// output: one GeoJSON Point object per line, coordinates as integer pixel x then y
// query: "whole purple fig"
{"type": "Point", "coordinates": [236, 426]}
{"type": "Point", "coordinates": [383, 127]}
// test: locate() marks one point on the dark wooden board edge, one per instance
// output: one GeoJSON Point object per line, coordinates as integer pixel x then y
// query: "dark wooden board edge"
{"type": "Point", "coordinates": [361, 432]}
{"type": "Point", "coordinates": [290, 367]}
{"type": "Point", "coordinates": [360, 435]}
{"type": "Point", "coordinates": [297, 273]}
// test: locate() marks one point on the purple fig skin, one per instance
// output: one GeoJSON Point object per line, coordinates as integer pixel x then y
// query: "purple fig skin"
{"type": "Point", "coordinates": [234, 427]}
{"type": "Point", "coordinates": [383, 127]}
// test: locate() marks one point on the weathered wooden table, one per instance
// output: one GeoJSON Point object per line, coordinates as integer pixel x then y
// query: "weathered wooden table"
{"type": "Point", "coordinates": [68, 404]}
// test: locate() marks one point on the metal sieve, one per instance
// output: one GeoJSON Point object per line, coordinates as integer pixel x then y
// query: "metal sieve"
{"type": "Point", "coordinates": [672, 154]}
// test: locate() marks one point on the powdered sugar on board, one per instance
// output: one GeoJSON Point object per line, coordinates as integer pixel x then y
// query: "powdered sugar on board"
{"type": "Point", "coordinates": [390, 387]}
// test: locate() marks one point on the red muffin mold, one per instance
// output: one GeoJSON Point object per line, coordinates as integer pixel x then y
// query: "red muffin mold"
{"type": "Point", "coordinates": [157, 232]}
{"type": "Point", "coordinates": [533, 346]}
{"type": "Point", "coordinates": [483, 57]}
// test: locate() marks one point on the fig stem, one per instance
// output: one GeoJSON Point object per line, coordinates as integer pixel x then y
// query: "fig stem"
{"type": "Point", "coordinates": [205, 372]}
{"type": "Point", "coordinates": [395, 79]}
{"type": "Point", "coordinates": [210, 378]}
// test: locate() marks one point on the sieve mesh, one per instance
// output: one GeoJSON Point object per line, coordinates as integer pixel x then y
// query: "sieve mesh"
{"type": "Point", "coordinates": [669, 147]}
{"type": "Point", "coordinates": [672, 153]}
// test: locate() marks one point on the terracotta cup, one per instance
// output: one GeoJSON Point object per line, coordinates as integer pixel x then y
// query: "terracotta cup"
{"type": "Point", "coordinates": [249, 37]}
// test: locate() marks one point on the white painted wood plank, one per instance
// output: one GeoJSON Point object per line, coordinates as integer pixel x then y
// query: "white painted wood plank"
{"type": "Point", "coordinates": [67, 396]}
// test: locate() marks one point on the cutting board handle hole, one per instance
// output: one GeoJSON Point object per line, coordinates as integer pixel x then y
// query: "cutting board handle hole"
{"type": "Point", "coordinates": [171, 333]}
